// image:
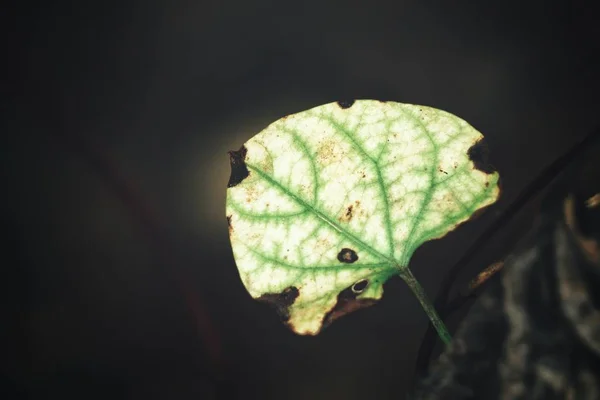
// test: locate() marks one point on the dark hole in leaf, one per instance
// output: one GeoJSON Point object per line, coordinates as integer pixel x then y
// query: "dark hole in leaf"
{"type": "Point", "coordinates": [239, 171]}
{"type": "Point", "coordinates": [347, 256]}
{"type": "Point", "coordinates": [281, 301]}
{"type": "Point", "coordinates": [479, 154]}
{"type": "Point", "coordinates": [345, 103]}
{"type": "Point", "coordinates": [346, 303]}
{"type": "Point", "coordinates": [360, 286]}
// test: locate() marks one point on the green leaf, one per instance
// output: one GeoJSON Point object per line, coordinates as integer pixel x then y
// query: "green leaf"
{"type": "Point", "coordinates": [325, 205]}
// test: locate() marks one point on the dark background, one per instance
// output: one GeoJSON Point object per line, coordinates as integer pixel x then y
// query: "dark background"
{"type": "Point", "coordinates": [117, 261]}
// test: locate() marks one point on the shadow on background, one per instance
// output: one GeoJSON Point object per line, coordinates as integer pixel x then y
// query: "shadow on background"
{"type": "Point", "coordinates": [119, 277]}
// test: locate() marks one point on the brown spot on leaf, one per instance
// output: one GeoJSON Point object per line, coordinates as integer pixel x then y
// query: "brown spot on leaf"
{"type": "Point", "coordinates": [281, 302]}
{"type": "Point", "coordinates": [251, 194]}
{"type": "Point", "coordinates": [442, 171]}
{"type": "Point", "coordinates": [345, 103]}
{"type": "Point", "coordinates": [239, 170]}
{"type": "Point", "coordinates": [347, 255]}
{"type": "Point", "coordinates": [328, 151]}
{"type": "Point", "coordinates": [229, 224]}
{"type": "Point", "coordinates": [347, 303]}
{"type": "Point", "coordinates": [479, 154]}
{"type": "Point", "coordinates": [349, 212]}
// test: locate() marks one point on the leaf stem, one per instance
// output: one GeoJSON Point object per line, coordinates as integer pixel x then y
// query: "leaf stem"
{"type": "Point", "coordinates": [427, 305]}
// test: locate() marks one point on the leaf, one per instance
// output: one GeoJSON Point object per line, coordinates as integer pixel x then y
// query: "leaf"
{"type": "Point", "coordinates": [325, 205]}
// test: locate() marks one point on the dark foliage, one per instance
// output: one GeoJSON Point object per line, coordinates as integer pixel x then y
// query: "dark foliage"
{"type": "Point", "coordinates": [535, 331]}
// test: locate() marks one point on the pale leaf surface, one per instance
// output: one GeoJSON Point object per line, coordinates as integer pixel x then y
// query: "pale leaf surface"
{"type": "Point", "coordinates": [325, 205]}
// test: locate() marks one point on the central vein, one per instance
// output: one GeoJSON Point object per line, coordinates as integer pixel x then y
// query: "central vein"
{"type": "Point", "coordinates": [323, 217]}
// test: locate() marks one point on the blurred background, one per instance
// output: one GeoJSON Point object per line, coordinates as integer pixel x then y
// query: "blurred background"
{"type": "Point", "coordinates": [118, 279]}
